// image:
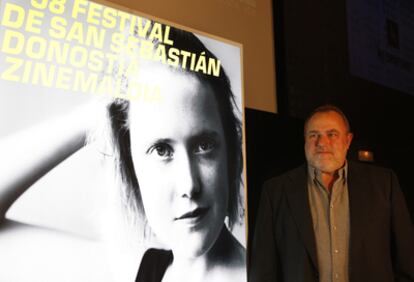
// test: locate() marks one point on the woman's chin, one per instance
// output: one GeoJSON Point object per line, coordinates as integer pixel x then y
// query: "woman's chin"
{"type": "Point", "coordinates": [192, 247]}
{"type": "Point", "coordinates": [192, 243]}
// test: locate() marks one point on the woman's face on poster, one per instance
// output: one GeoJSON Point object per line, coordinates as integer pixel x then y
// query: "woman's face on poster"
{"type": "Point", "coordinates": [180, 159]}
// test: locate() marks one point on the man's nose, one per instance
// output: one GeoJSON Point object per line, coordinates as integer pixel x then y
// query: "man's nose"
{"type": "Point", "coordinates": [321, 140]}
{"type": "Point", "coordinates": [187, 176]}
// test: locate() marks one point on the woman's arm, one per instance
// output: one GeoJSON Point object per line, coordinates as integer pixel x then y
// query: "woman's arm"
{"type": "Point", "coordinates": [28, 155]}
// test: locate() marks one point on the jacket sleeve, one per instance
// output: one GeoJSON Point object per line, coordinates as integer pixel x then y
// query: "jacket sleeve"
{"type": "Point", "coordinates": [263, 266]}
{"type": "Point", "coordinates": [402, 235]}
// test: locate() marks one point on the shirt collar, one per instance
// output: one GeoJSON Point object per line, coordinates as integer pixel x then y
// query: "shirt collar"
{"type": "Point", "coordinates": [313, 173]}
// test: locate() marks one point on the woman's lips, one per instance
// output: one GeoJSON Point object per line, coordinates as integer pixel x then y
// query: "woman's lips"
{"type": "Point", "coordinates": [193, 216]}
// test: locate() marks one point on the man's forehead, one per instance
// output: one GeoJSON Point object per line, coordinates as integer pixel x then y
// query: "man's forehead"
{"type": "Point", "coordinates": [326, 121]}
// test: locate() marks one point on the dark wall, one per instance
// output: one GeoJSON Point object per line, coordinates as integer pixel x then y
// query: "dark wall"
{"type": "Point", "coordinates": [312, 69]}
{"type": "Point", "coordinates": [312, 51]}
{"type": "Point", "coordinates": [274, 144]}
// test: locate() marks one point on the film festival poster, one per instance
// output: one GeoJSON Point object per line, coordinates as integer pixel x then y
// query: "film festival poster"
{"type": "Point", "coordinates": [123, 133]}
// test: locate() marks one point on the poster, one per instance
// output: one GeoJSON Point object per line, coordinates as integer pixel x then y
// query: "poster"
{"type": "Point", "coordinates": [123, 134]}
{"type": "Point", "coordinates": [381, 42]}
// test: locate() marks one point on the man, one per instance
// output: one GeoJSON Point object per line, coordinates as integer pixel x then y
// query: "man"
{"type": "Point", "coordinates": [332, 220]}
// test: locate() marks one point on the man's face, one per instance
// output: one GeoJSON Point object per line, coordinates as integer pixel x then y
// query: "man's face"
{"type": "Point", "coordinates": [326, 141]}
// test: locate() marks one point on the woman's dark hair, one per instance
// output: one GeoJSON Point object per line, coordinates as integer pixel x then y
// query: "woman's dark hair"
{"type": "Point", "coordinates": [118, 112]}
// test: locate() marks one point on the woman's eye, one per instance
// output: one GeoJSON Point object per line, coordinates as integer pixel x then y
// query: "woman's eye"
{"type": "Point", "coordinates": [162, 150]}
{"type": "Point", "coordinates": [204, 147]}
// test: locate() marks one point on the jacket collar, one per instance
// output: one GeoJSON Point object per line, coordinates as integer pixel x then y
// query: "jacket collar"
{"type": "Point", "coordinates": [359, 213]}
{"type": "Point", "coordinates": [297, 195]}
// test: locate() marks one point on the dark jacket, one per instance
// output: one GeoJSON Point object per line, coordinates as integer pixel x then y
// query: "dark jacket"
{"type": "Point", "coordinates": [381, 232]}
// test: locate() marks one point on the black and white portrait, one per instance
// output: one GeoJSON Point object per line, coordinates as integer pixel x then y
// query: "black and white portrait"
{"type": "Point", "coordinates": [122, 159]}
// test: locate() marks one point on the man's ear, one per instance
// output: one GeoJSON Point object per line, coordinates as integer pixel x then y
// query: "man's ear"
{"type": "Point", "coordinates": [349, 138]}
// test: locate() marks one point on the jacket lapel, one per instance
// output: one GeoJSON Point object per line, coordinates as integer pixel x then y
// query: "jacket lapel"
{"type": "Point", "coordinates": [358, 189]}
{"type": "Point", "coordinates": [297, 194]}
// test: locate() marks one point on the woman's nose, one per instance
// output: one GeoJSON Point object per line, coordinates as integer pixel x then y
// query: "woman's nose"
{"type": "Point", "coordinates": [187, 176]}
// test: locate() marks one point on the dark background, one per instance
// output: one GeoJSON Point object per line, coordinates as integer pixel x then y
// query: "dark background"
{"type": "Point", "coordinates": [312, 69]}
